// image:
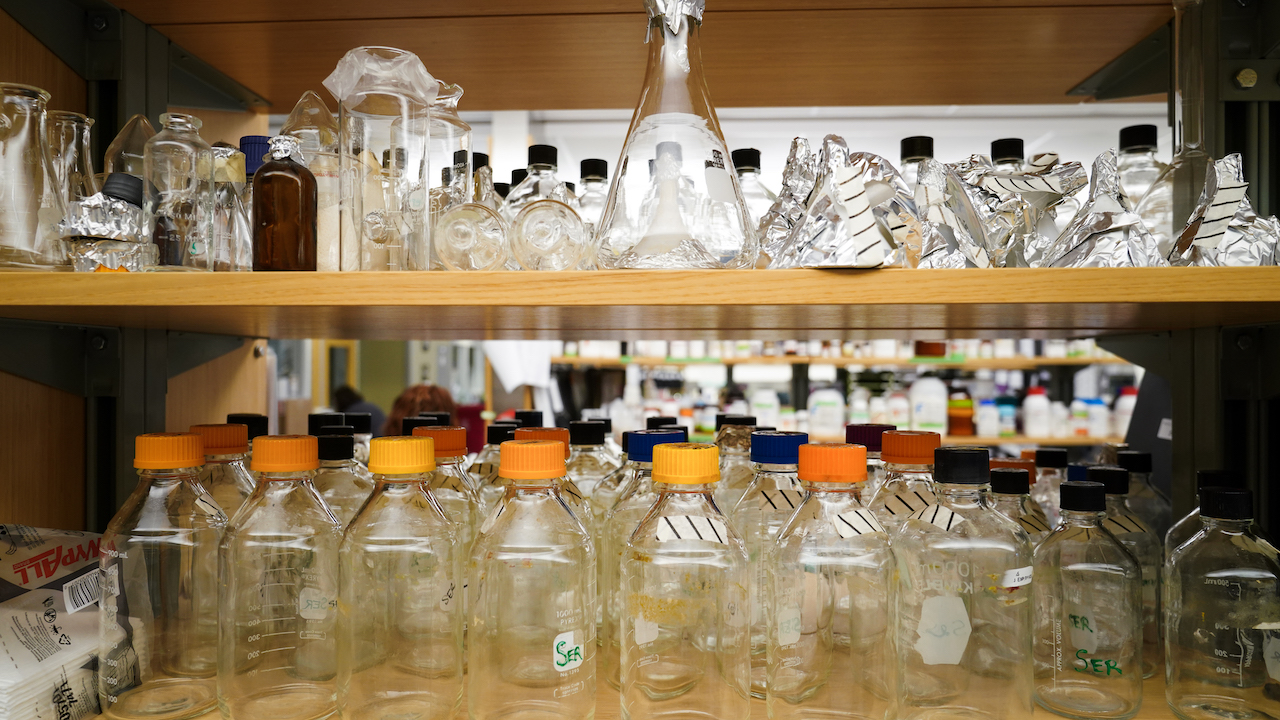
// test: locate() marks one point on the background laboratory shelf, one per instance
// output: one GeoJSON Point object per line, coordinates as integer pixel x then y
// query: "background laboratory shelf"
{"type": "Point", "coordinates": [1013, 363]}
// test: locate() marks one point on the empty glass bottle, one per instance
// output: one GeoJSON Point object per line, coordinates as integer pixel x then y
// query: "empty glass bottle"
{"type": "Point", "coordinates": [159, 610]}
{"type": "Point", "coordinates": [908, 484]}
{"type": "Point", "coordinates": [733, 441]}
{"type": "Point", "coordinates": [362, 430]}
{"type": "Point", "coordinates": [1222, 611]}
{"type": "Point", "coordinates": [450, 142]}
{"type": "Point", "coordinates": [450, 483]}
{"type": "Point", "coordinates": [127, 150]}
{"type": "Point", "coordinates": [758, 198]}
{"type": "Point", "coordinates": [569, 491]}
{"type": "Point", "coordinates": [531, 648]}
{"type": "Point", "coordinates": [225, 475]}
{"type": "Point", "coordinates": [343, 484]}
{"type": "Point", "coordinates": [1137, 161]}
{"type": "Point", "coordinates": [1149, 503]}
{"type": "Point", "coordinates": [830, 652]}
{"type": "Point", "coordinates": [914, 151]}
{"type": "Point", "coordinates": [540, 182]}
{"type": "Point", "coordinates": [593, 192]}
{"type": "Point", "coordinates": [278, 567]}
{"type": "Point", "coordinates": [589, 463]}
{"type": "Point", "coordinates": [232, 234]}
{"type": "Point", "coordinates": [71, 156]}
{"type": "Point", "coordinates": [1189, 525]}
{"type": "Point", "coordinates": [1011, 497]}
{"type": "Point", "coordinates": [1088, 606]}
{"type": "Point", "coordinates": [484, 469]}
{"type": "Point", "coordinates": [869, 435]}
{"type": "Point", "coordinates": [31, 205]}
{"type": "Point", "coordinates": [1051, 471]}
{"type": "Point", "coordinates": [611, 445]}
{"type": "Point", "coordinates": [963, 610]}
{"type": "Point", "coordinates": [400, 623]}
{"type": "Point", "coordinates": [1008, 155]}
{"type": "Point", "coordinates": [178, 164]}
{"type": "Point", "coordinates": [771, 499]}
{"type": "Point", "coordinates": [284, 211]}
{"type": "Point", "coordinates": [685, 625]}
{"type": "Point", "coordinates": [255, 423]}
{"type": "Point", "coordinates": [1138, 539]}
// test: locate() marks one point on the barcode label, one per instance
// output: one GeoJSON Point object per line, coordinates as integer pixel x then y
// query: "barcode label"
{"type": "Point", "coordinates": [857, 522]}
{"type": "Point", "coordinates": [938, 515]}
{"type": "Point", "coordinates": [82, 592]}
{"type": "Point", "coordinates": [905, 503]}
{"type": "Point", "coordinates": [786, 500]}
{"type": "Point", "coordinates": [692, 527]}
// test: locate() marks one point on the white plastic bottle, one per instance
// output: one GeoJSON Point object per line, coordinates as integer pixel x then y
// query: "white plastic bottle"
{"type": "Point", "coordinates": [766, 407]}
{"type": "Point", "coordinates": [878, 410]}
{"type": "Point", "coordinates": [1037, 420]}
{"type": "Point", "coordinates": [826, 413]}
{"type": "Point", "coordinates": [897, 409]}
{"type": "Point", "coordinates": [929, 405]}
{"type": "Point", "coordinates": [1061, 419]}
{"type": "Point", "coordinates": [1079, 417]}
{"type": "Point", "coordinates": [859, 406]}
{"type": "Point", "coordinates": [1099, 418]}
{"type": "Point", "coordinates": [987, 418]}
{"type": "Point", "coordinates": [1124, 410]}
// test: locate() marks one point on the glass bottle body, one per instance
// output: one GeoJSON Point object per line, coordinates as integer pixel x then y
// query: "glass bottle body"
{"type": "Point", "coordinates": [875, 477]}
{"type": "Point", "coordinates": [635, 498]}
{"type": "Point", "coordinates": [963, 646]}
{"type": "Point", "coordinates": [400, 629]}
{"type": "Point", "coordinates": [232, 233]}
{"type": "Point", "coordinates": [1138, 539]}
{"type": "Point", "coordinates": [758, 198]}
{"type": "Point", "coordinates": [278, 566]}
{"type": "Point", "coordinates": [284, 216]}
{"type": "Point", "coordinates": [593, 193]}
{"type": "Point", "coordinates": [71, 156]}
{"type": "Point", "coordinates": [541, 183]}
{"type": "Point", "coordinates": [1024, 511]}
{"type": "Point", "coordinates": [685, 644]}
{"type": "Point", "coordinates": [1149, 504]}
{"type": "Point", "coordinates": [159, 610]}
{"type": "Point", "coordinates": [830, 654]}
{"type": "Point", "coordinates": [179, 164]}
{"type": "Point", "coordinates": [905, 490]}
{"type": "Point", "coordinates": [531, 647]}
{"type": "Point", "coordinates": [1139, 169]}
{"type": "Point", "coordinates": [451, 488]}
{"type": "Point", "coordinates": [1088, 606]}
{"type": "Point", "coordinates": [1045, 490]}
{"type": "Point", "coordinates": [344, 485]}
{"type": "Point", "coordinates": [227, 480]}
{"type": "Point", "coordinates": [588, 466]}
{"type": "Point", "coordinates": [31, 205]}
{"type": "Point", "coordinates": [736, 472]}
{"type": "Point", "coordinates": [484, 476]}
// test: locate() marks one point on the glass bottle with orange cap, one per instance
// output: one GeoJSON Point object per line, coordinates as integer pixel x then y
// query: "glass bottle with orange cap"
{"type": "Point", "coordinates": [569, 490]}
{"type": "Point", "coordinates": [278, 565]}
{"type": "Point", "coordinates": [733, 439]}
{"type": "Point", "coordinates": [531, 643]}
{"type": "Point", "coordinates": [830, 596]}
{"type": "Point", "coordinates": [1011, 497]}
{"type": "Point", "coordinates": [400, 616]}
{"type": "Point", "coordinates": [158, 621]}
{"type": "Point", "coordinates": [869, 436]}
{"type": "Point", "coordinates": [686, 618]}
{"type": "Point", "coordinates": [908, 482]}
{"type": "Point", "coordinates": [484, 469]}
{"type": "Point", "coordinates": [224, 475]}
{"type": "Point", "coordinates": [341, 481]}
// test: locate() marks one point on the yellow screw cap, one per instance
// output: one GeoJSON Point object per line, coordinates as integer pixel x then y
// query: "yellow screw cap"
{"type": "Point", "coordinates": [531, 459]}
{"type": "Point", "coordinates": [227, 439]}
{"type": "Point", "coordinates": [450, 440]}
{"type": "Point", "coordinates": [165, 451]}
{"type": "Point", "coordinates": [686, 463]}
{"type": "Point", "coordinates": [285, 453]}
{"type": "Point", "coordinates": [405, 455]}
{"type": "Point", "coordinates": [833, 462]}
{"type": "Point", "coordinates": [558, 434]}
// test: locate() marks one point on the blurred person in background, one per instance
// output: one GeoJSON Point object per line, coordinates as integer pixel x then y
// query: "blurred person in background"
{"type": "Point", "coordinates": [348, 399]}
{"type": "Point", "coordinates": [419, 399]}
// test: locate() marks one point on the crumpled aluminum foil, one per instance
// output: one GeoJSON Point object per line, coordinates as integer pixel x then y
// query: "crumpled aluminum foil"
{"type": "Point", "coordinates": [1224, 190]}
{"type": "Point", "coordinates": [103, 217]}
{"type": "Point", "coordinates": [797, 182]}
{"type": "Point", "coordinates": [958, 237]}
{"type": "Point", "coordinates": [1106, 232]}
{"type": "Point", "coordinates": [674, 11]}
{"type": "Point", "coordinates": [89, 255]}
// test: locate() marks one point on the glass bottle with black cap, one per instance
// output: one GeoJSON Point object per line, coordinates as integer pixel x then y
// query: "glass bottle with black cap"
{"type": "Point", "coordinates": [914, 151]}
{"type": "Point", "coordinates": [1011, 497]}
{"type": "Point", "coordinates": [1149, 503]}
{"type": "Point", "coordinates": [257, 424]}
{"type": "Point", "coordinates": [541, 182]}
{"type": "Point", "coordinates": [362, 425]}
{"type": "Point", "coordinates": [338, 480]}
{"type": "Point", "coordinates": [1088, 602]}
{"type": "Point", "coordinates": [733, 438]}
{"type": "Point", "coordinates": [593, 191]}
{"type": "Point", "coordinates": [758, 198]}
{"type": "Point", "coordinates": [529, 418]}
{"type": "Point", "coordinates": [1008, 155]}
{"type": "Point", "coordinates": [315, 421]}
{"type": "Point", "coordinates": [589, 463]}
{"type": "Point", "coordinates": [1137, 163]}
{"type": "Point", "coordinates": [1188, 526]}
{"type": "Point", "coordinates": [484, 469]}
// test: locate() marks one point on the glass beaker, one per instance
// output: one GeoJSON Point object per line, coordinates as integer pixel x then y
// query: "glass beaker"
{"type": "Point", "coordinates": [69, 150]}
{"type": "Point", "coordinates": [30, 204]}
{"type": "Point", "coordinates": [179, 165]}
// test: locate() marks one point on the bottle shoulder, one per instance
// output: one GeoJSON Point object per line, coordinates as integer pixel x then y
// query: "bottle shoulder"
{"type": "Point", "coordinates": [283, 509]}
{"type": "Point", "coordinates": [164, 508]}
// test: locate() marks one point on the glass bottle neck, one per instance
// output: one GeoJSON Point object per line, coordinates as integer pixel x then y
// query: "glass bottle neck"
{"type": "Point", "coordinates": [337, 464]}
{"type": "Point", "coordinates": [400, 479]}
{"type": "Point", "coordinates": [961, 493]}
{"type": "Point", "coordinates": [925, 471]}
{"type": "Point", "coordinates": [683, 489]}
{"type": "Point", "coordinates": [1083, 518]}
{"type": "Point", "coordinates": [452, 461]}
{"type": "Point", "coordinates": [169, 475]}
{"type": "Point", "coordinates": [829, 488]}
{"type": "Point", "coordinates": [1188, 90]}
{"type": "Point", "coordinates": [224, 459]}
{"type": "Point", "coordinates": [674, 81]}
{"type": "Point", "coordinates": [777, 468]}
{"type": "Point", "coordinates": [1225, 525]}
{"type": "Point", "coordinates": [296, 476]}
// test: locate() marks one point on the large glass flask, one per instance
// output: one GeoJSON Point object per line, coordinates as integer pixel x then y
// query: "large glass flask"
{"type": "Point", "coordinates": [159, 614]}
{"type": "Point", "coordinates": [690, 211]}
{"type": "Point", "coordinates": [685, 625]}
{"type": "Point", "coordinates": [225, 475]}
{"type": "Point", "coordinates": [531, 650]}
{"type": "Point", "coordinates": [1222, 599]}
{"type": "Point", "coordinates": [963, 618]}
{"type": "Point", "coordinates": [908, 485]}
{"type": "Point", "coordinates": [69, 150]}
{"type": "Point", "coordinates": [1088, 608]}
{"type": "Point", "coordinates": [400, 628]}
{"type": "Point", "coordinates": [317, 132]}
{"type": "Point", "coordinates": [312, 123]}
{"type": "Point", "coordinates": [830, 597]}
{"type": "Point", "coordinates": [384, 117]}
{"type": "Point", "coordinates": [31, 205]}
{"type": "Point", "coordinates": [178, 164]}
{"type": "Point", "coordinates": [278, 567]}
{"type": "Point", "coordinates": [126, 151]}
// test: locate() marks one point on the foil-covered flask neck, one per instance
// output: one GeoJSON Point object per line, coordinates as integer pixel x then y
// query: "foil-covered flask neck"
{"type": "Point", "coordinates": [673, 12]}
{"type": "Point", "coordinates": [283, 146]}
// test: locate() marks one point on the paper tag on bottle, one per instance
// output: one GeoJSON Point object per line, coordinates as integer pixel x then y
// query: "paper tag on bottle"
{"type": "Point", "coordinates": [1016, 577]}
{"type": "Point", "coordinates": [780, 500]}
{"type": "Point", "coordinates": [1033, 523]}
{"type": "Point", "coordinates": [1125, 523]}
{"type": "Point", "coordinates": [313, 604]}
{"type": "Point", "coordinates": [646, 631]}
{"type": "Point", "coordinates": [905, 503]}
{"type": "Point", "coordinates": [943, 630]}
{"type": "Point", "coordinates": [789, 626]}
{"type": "Point", "coordinates": [939, 516]}
{"type": "Point", "coordinates": [565, 653]}
{"type": "Point", "coordinates": [82, 592]}
{"type": "Point", "coordinates": [720, 185]}
{"type": "Point", "coordinates": [692, 527]}
{"type": "Point", "coordinates": [857, 522]}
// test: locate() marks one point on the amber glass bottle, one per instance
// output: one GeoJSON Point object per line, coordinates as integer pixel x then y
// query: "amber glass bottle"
{"type": "Point", "coordinates": [284, 211]}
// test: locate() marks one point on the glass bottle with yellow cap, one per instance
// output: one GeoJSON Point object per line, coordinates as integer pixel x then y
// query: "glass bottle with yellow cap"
{"type": "Point", "coordinates": [224, 475]}
{"type": "Point", "coordinates": [830, 596]}
{"type": "Point", "coordinates": [686, 618]}
{"type": "Point", "coordinates": [341, 481]}
{"type": "Point", "coordinates": [484, 469]}
{"type": "Point", "coordinates": [531, 645]}
{"type": "Point", "coordinates": [400, 614]}
{"type": "Point", "coordinates": [908, 480]}
{"type": "Point", "coordinates": [278, 564]}
{"type": "Point", "coordinates": [569, 490]}
{"type": "Point", "coordinates": [158, 622]}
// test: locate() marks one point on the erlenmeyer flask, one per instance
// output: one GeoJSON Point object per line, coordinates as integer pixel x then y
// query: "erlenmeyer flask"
{"type": "Point", "coordinates": [124, 154]}
{"type": "Point", "coordinates": [313, 124]}
{"type": "Point", "coordinates": [30, 205]}
{"type": "Point", "coordinates": [69, 150]}
{"type": "Point", "coordinates": [690, 211]}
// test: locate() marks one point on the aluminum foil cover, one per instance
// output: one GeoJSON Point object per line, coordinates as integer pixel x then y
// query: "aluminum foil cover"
{"type": "Point", "coordinates": [674, 11]}
{"type": "Point", "coordinates": [1106, 232]}
{"type": "Point", "coordinates": [1224, 189]}
{"type": "Point", "coordinates": [103, 217]}
{"type": "Point", "coordinates": [958, 237]}
{"type": "Point", "coordinates": [1018, 208]}
{"type": "Point", "coordinates": [88, 255]}
{"type": "Point", "coordinates": [1250, 240]}
{"type": "Point", "coordinates": [797, 182]}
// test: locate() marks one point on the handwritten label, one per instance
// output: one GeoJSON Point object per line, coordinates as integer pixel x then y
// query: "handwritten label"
{"type": "Point", "coordinates": [1083, 629]}
{"type": "Point", "coordinates": [565, 653]}
{"type": "Point", "coordinates": [938, 516]}
{"type": "Point", "coordinates": [692, 527]}
{"type": "Point", "coordinates": [857, 522]}
{"type": "Point", "coordinates": [944, 630]}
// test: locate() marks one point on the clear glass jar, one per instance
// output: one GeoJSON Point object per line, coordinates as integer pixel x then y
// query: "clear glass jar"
{"type": "Point", "coordinates": [548, 235]}
{"type": "Point", "coordinates": [1051, 472]}
{"type": "Point", "coordinates": [232, 234]}
{"type": "Point", "coordinates": [685, 626]}
{"type": "Point", "coordinates": [278, 566]}
{"type": "Point", "coordinates": [1011, 497]}
{"type": "Point", "coordinates": [400, 629]}
{"type": "Point", "coordinates": [830, 652]}
{"type": "Point", "coordinates": [484, 469]}
{"type": "Point", "coordinates": [32, 205]}
{"type": "Point", "coordinates": [343, 483]}
{"type": "Point", "coordinates": [1088, 607]}
{"type": "Point", "coordinates": [531, 647]}
{"type": "Point", "coordinates": [178, 163]}
{"type": "Point", "coordinates": [593, 192]}
{"type": "Point", "coordinates": [1149, 503]}
{"type": "Point", "coordinates": [588, 463]}
{"type": "Point", "coordinates": [225, 475]}
{"type": "Point", "coordinates": [963, 619]}
{"type": "Point", "coordinates": [758, 198]}
{"type": "Point", "coordinates": [159, 610]}
{"type": "Point", "coordinates": [908, 484]}
{"type": "Point", "coordinates": [771, 499]}
{"type": "Point", "coordinates": [733, 440]}
{"type": "Point", "coordinates": [1222, 600]}
{"type": "Point", "coordinates": [71, 156]}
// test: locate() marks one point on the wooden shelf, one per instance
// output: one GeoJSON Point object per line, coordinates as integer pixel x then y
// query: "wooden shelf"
{"type": "Point", "coordinates": [640, 304]}
{"type": "Point", "coordinates": [1017, 363]}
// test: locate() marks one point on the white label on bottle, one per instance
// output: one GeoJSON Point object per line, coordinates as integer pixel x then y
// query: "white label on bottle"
{"type": "Point", "coordinates": [944, 630]}
{"type": "Point", "coordinates": [939, 516]}
{"type": "Point", "coordinates": [1082, 628]}
{"type": "Point", "coordinates": [1016, 578]}
{"type": "Point", "coordinates": [720, 185]}
{"type": "Point", "coordinates": [646, 631]}
{"type": "Point", "coordinates": [313, 604]}
{"type": "Point", "coordinates": [789, 626]}
{"type": "Point", "coordinates": [1034, 523]}
{"type": "Point", "coordinates": [1271, 652]}
{"type": "Point", "coordinates": [692, 527]}
{"type": "Point", "coordinates": [780, 500]}
{"type": "Point", "coordinates": [83, 591]}
{"type": "Point", "coordinates": [905, 503]}
{"type": "Point", "coordinates": [1165, 431]}
{"type": "Point", "coordinates": [857, 522]}
{"type": "Point", "coordinates": [1125, 523]}
{"type": "Point", "coordinates": [565, 653]}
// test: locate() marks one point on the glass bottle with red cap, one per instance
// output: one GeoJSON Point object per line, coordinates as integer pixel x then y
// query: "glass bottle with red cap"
{"type": "Point", "coordinates": [869, 436]}
{"type": "Point", "coordinates": [569, 490]}
{"type": "Point", "coordinates": [224, 475]}
{"type": "Point", "coordinates": [830, 595]}
{"type": "Point", "coordinates": [908, 483]}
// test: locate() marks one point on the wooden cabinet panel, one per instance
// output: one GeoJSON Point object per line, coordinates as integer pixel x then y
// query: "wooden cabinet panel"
{"type": "Point", "coordinates": [235, 382]}
{"type": "Point", "coordinates": [24, 59]}
{"type": "Point", "coordinates": [41, 455]}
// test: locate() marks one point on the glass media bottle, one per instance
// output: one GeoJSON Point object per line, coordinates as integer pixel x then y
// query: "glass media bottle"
{"type": "Point", "coordinates": [159, 614]}
{"type": "Point", "coordinates": [531, 648]}
{"type": "Point", "coordinates": [284, 211]}
{"type": "Point", "coordinates": [341, 481]}
{"type": "Point", "coordinates": [1222, 599]}
{"type": "Point", "coordinates": [1051, 471]}
{"type": "Point", "coordinates": [589, 462]}
{"type": "Point", "coordinates": [484, 469]}
{"type": "Point", "coordinates": [685, 624]}
{"type": "Point", "coordinates": [963, 614]}
{"type": "Point", "coordinates": [908, 485]}
{"type": "Point", "coordinates": [256, 423]}
{"type": "Point", "coordinates": [593, 191]}
{"type": "Point", "coordinates": [869, 436]}
{"type": "Point", "coordinates": [1137, 161]}
{"type": "Point", "coordinates": [829, 645]}
{"type": "Point", "coordinates": [569, 491]}
{"type": "Point", "coordinates": [1189, 525]}
{"type": "Point", "coordinates": [278, 567]}
{"type": "Point", "coordinates": [400, 622]}
{"type": "Point", "coordinates": [1088, 606]}
{"type": "Point", "coordinates": [1011, 497]}
{"type": "Point", "coordinates": [1149, 503]}
{"type": "Point", "coordinates": [178, 163]}
{"type": "Point", "coordinates": [450, 483]}
{"type": "Point", "coordinates": [225, 475]}
{"type": "Point", "coordinates": [758, 198]}
{"type": "Point", "coordinates": [733, 440]}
